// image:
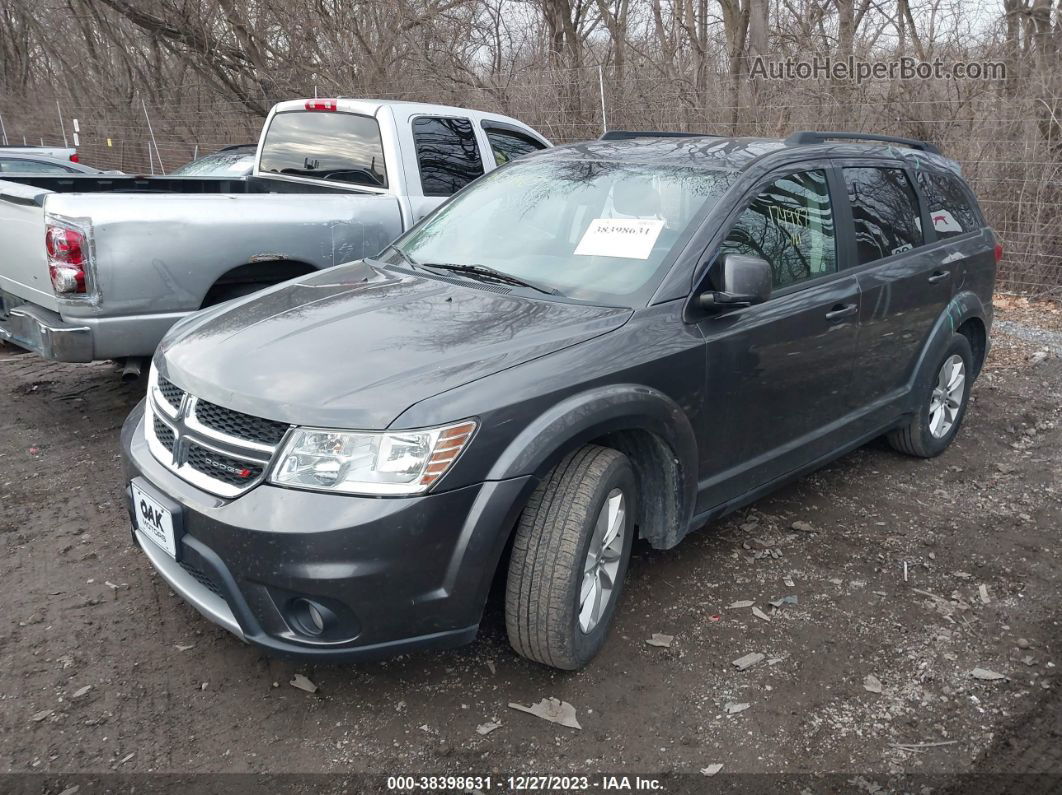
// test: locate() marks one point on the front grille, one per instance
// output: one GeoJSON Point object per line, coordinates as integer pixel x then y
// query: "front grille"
{"type": "Point", "coordinates": [241, 426]}
{"type": "Point", "coordinates": [164, 435]}
{"type": "Point", "coordinates": [220, 450]}
{"type": "Point", "coordinates": [170, 393]}
{"type": "Point", "coordinates": [223, 468]}
{"type": "Point", "coordinates": [202, 578]}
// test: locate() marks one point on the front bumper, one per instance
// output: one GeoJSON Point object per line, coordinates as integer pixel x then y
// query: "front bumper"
{"type": "Point", "coordinates": [396, 574]}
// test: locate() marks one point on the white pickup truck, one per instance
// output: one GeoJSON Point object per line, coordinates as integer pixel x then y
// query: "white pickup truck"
{"type": "Point", "coordinates": [99, 267]}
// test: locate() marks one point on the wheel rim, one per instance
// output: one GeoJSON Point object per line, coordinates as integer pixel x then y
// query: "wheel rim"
{"type": "Point", "coordinates": [601, 568]}
{"type": "Point", "coordinates": [948, 393]}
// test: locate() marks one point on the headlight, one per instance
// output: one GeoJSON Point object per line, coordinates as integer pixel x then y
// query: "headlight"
{"type": "Point", "coordinates": [355, 462]}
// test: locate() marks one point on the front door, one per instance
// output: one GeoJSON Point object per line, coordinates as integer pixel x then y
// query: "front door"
{"type": "Point", "coordinates": [779, 373]}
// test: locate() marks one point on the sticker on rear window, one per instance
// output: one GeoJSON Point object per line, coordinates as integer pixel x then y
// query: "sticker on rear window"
{"type": "Point", "coordinates": [943, 221]}
{"type": "Point", "coordinates": [630, 238]}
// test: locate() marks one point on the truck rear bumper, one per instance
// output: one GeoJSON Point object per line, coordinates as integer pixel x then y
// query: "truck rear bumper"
{"type": "Point", "coordinates": [45, 333]}
{"type": "Point", "coordinates": [51, 336]}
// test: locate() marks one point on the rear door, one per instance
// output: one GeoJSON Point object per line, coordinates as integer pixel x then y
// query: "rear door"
{"type": "Point", "coordinates": [779, 373]}
{"type": "Point", "coordinates": [447, 156]}
{"type": "Point", "coordinates": [906, 284]}
{"type": "Point", "coordinates": [508, 142]}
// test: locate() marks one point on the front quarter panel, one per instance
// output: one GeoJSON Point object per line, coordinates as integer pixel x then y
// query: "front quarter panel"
{"type": "Point", "coordinates": [646, 376]}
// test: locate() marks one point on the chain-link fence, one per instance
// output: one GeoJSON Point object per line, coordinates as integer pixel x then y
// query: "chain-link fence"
{"type": "Point", "coordinates": [1008, 143]}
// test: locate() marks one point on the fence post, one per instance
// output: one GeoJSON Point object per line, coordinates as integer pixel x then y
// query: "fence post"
{"type": "Point", "coordinates": [62, 126]}
{"type": "Point", "coordinates": [3, 129]}
{"type": "Point", "coordinates": [601, 87]}
{"type": "Point", "coordinates": [151, 132]}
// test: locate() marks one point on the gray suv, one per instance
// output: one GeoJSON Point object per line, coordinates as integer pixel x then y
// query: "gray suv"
{"type": "Point", "coordinates": [624, 338]}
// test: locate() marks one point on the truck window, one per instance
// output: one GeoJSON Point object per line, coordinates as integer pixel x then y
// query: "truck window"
{"type": "Point", "coordinates": [949, 208]}
{"type": "Point", "coordinates": [508, 145]}
{"type": "Point", "coordinates": [447, 154]}
{"type": "Point", "coordinates": [339, 147]}
{"type": "Point", "coordinates": [790, 224]}
{"type": "Point", "coordinates": [885, 212]}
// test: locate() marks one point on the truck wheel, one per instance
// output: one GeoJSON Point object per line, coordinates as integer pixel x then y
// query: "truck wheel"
{"type": "Point", "coordinates": [942, 404]}
{"type": "Point", "coordinates": [569, 558]}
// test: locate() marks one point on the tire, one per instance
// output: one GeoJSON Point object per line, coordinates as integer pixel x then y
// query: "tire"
{"type": "Point", "coordinates": [919, 437]}
{"type": "Point", "coordinates": [550, 552]}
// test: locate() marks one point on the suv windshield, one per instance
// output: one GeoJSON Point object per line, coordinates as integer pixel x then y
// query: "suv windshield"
{"type": "Point", "coordinates": [594, 231]}
{"type": "Point", "coordinates": [340, 147]}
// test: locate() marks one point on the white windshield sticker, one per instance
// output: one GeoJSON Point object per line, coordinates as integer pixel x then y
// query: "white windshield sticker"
{"type": "Point", "coordinates": [630, 238]}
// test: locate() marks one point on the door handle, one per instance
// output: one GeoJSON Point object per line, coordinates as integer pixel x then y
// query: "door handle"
{"type": "Point", "coordinates": [939, 276]}
{"type": "Point", "coordinates": [841, 311]}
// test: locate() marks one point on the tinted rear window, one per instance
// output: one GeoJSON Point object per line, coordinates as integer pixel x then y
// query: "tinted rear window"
{"type": "Point", "coordinates": [950, 207]}
{"type": "Point", "coordinates": [885, 211]}
{"type": "Point", "coordinates": [446, 153]}
{"type": "Point", "coordinates": [339, 147]}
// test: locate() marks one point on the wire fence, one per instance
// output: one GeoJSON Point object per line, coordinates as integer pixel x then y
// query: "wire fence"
{"type": "Point", "coordinates": [1008, 143]}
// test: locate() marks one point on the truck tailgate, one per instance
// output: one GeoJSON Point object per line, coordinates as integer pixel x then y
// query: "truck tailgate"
{"type": "Point", "coordinates": [23, 260]}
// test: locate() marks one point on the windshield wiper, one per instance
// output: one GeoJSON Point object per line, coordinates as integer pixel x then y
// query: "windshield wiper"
{"type": "Point", "coordinates": [484, 273]}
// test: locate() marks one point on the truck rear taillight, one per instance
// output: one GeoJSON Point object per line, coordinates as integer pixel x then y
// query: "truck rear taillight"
{"type": "Point", "coordinates": [999, 252]}
{"type": "Point", "coordinates": [66, 259]}
{"type": "Point", "coordinates": [322, 104]}
{"type": "Point", "coordinates": [74, 158]}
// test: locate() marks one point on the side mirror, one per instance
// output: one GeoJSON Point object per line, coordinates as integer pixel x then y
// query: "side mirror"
{"type": "Point", "coordinates": [746, 281]}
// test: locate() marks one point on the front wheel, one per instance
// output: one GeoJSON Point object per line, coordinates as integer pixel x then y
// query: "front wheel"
{"type": "Point", "coordinates": [942, 404]}
{"type": "Point", "coordinates": [569, 559]}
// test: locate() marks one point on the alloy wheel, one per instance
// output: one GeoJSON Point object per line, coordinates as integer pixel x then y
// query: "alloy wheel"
{"type": "Point", "coordinates": [602, 561]}
{"type": "Point", "coordinates": [947, 397]}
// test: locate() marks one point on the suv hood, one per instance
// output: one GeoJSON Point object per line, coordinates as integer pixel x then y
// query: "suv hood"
{"type": "Point", "coordinates": [354, 346]}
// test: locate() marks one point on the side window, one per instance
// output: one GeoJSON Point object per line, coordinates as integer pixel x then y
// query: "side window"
{"type": "Point", "coordinates": [13, 166]}
{"type": "Point", "coordinates": [791, 226]}
{"type": "Point", "coordinates": [950, 209]}
{"type": "Point", "coordinates": [446, 154]}
{"type": "Point", "coordinates": [509, 145]}
{"type": "Point", "coordinates": [884, 210]}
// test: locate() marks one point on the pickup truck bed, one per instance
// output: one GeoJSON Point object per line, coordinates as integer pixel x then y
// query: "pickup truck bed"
{"type": "Point", "coordinates": [159, 255]}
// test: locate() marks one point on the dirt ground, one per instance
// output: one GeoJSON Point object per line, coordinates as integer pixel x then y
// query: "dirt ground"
{"type": "Point", "coordinates": [911, 572]}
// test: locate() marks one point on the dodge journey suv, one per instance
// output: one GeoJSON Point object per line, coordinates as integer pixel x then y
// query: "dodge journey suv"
{"type": "Point", "coordinates": [624, 338]}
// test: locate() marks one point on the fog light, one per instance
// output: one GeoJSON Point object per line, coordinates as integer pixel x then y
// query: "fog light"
{"type": "Point", "coordinates": [315, 617]}
{"type": "Point", "coordinates": [311, 618]}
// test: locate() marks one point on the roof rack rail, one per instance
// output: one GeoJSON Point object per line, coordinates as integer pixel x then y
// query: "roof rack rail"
{"type": "Point", "coordinates": [817, 137]}
{"type": "Point", "coordinates": [627, 135]}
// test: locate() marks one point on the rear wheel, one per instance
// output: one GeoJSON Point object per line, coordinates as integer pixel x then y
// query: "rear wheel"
{"type": "Point", "coordinates": [569, 559]}
{"type": "Point", "coordinates": [942, 404]}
